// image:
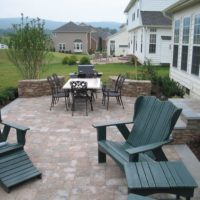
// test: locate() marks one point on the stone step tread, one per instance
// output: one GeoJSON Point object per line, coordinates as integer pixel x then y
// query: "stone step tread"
{"type": "Point", "coordinates": [180, 124]}
{"type": "Point", "coordinates": [188, 112]}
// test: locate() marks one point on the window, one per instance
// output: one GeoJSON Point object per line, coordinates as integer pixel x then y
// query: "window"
{"type": "Point", "coordinates": [166, 37]}
{"type": "Point", "coordinates": [152, 43]}
{"type": "Point", "coordinates": [61, 47]}
{"type": "Point", "coordinates": [197, 30]}
{"type": "Point", "coordinates": [195, 60]}
{"type": "Point", "coordinates": [186, 35]}
{"type": "Point", "coordinates": [184, 58]}
{"type": "Point", "coordinates": [133, 17]}
{"type": "Point", "coordinates": [153, 30]}
{"type": "Point", "coordinates": [78, 45]}
{"type": "Point", "coordinates": [176, 31]}
{"type": "Point", "coordinates": [112, 47]}
{"type": "Point", "coordinates": [186, 30]}
{"type": "Point", "coordinates": [138, 12]}
{"type": "Point", "coordinates": [196, 47]}
{"type": "Point", "coordinates": [175, 56]}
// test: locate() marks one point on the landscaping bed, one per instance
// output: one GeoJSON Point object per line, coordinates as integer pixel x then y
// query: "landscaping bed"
{"type": "Point", "coordinates": [195, 147]}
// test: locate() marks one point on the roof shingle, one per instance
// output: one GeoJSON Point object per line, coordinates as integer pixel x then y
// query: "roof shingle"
{"type": "Point", "coordinates": [72, 27]}
{"type": "Point", "coordinates": [155, 18]}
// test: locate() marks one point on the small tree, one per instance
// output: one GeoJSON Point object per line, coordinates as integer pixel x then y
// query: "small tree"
{"type": "Point", "coordinates": [28, 47]}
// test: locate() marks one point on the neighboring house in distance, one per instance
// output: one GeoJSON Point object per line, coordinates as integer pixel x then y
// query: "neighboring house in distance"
{"type": "Point", "coordinates": [78, 38]}
{"type": "Point", "coordinates": [117, 44]}
{"type": "Point", "coordinates": [185, 64]}
{"type": "Point", "coordinates": [149, 30]}
{"type": "Point", "coordinates": [3, 46]}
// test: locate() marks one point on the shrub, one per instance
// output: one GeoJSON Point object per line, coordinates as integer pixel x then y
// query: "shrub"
{"type": "Point", "coordinates": [8, 95]}
{"type": "Point", "coordinates": [65, 60]}
{"type": "Point", "coordinates": [170, 88]}
{"type": "Point", "coordinates": [161, 85]}
{"type": "Point", "coordinates": [91, 51]}
{"type": "Point", "coordinates": [29, 47]}
{"type": "Point", "coordinates": [84, 60]}
{"type": "Point", "coordinates": [72, 60]}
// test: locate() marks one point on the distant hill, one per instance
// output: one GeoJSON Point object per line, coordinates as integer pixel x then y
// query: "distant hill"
{"type": "Point", "coordinates": [6, 23]}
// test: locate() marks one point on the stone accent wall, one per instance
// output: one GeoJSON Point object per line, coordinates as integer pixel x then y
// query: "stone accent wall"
{"type": "Point", "coordinates": [133, 88]}
{"type": "Point", "coordinates": [35, 88]}
{"type": "Point", "coordinates": [190, 132]}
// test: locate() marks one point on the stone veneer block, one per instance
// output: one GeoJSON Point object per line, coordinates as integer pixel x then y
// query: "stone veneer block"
{"type": "Point", "coordinates": [35, 87]}
{"type": "Point", "coordinates": [133, 88]}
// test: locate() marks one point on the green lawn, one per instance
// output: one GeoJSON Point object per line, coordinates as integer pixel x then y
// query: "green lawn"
{"type": "Point", "coordinates": [9, 75]}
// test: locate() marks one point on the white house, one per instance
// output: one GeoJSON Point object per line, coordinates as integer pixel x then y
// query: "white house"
{"type": "Point", "coordinates": [185, 64]}
{"type": "Point", "coordinates": [149, 30]}
{"type": "Point", "coordinates": [3, 46]}
{"type": "Point", "coordinates": [117, 44]}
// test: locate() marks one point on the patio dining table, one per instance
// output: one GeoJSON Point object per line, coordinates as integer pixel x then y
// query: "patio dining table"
{"type": "Point", "coordinates": [92, 83]}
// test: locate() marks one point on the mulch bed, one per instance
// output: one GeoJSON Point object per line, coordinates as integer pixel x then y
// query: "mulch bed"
{"type": "Point", "coordinates": [195, 147]}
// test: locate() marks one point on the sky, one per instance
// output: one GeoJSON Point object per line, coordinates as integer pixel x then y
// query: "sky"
{"type": "Point", "coordinates": [66, 10]}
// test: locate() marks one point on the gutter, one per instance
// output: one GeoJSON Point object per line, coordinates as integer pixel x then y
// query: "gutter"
{"type": "Point", "coordinates": [181, 4]}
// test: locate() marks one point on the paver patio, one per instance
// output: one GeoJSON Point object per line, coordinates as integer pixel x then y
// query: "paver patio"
{"type": "Point", "coordinates": [64, 148]}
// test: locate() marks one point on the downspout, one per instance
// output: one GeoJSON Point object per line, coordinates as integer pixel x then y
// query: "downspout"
{"type": "Point", "coordinates": [86, 42]}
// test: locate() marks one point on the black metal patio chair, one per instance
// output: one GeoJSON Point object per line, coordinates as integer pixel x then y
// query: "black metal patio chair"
{"type": "Point", "coordinates": [79, 92]}
{"type": "Point", "coordinates": [57, 92]}
{"type": "Point", "coordinates": [116, 92]}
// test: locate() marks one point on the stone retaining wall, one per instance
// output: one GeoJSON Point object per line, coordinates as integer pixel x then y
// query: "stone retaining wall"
{"type": "Point", "coordinates": [133, 88]}
{"type": "Point", "coordinates": [35, 88]}
{"type": "Point", "coordinates": [190, 132]}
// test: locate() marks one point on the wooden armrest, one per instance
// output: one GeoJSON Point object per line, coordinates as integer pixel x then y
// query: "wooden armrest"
{"type": "Point", "coordinates": [145, 148]}
{"type": "Point", "coordinates": [101, 129]}
{"type": "Point", "coordinates": [16, 126]}
{"type": "Point", "coordinates": [112, 124]}
{"type": "Point", "coordinates": [20, 132]}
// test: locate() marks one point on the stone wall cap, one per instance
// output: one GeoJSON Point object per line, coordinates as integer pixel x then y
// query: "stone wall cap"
{"type": "Point", "coordinates": [131, 80]}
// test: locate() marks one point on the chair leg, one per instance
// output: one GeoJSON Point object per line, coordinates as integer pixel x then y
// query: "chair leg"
{"type": "Point", "coordinates": [101, 157]}
{"type": "Point", "coordinates": [103, 99]}
{"type": "Point", "coordinates": [107, 102]}
{"type": "Point", "coordinates": [118, 100]}
{"type": "Point", "coordinates": [66, 104]}
{"type": "Point", "coordinates": [121, 102]}
{"type": "Point", "coordinates": [73, 107]}
{"type": "Point", "coordinates": [91, 104]}
{"type": "Point", "coordinates": [52, 102]}
{"type": "Point", "coordinates": [86, 107]}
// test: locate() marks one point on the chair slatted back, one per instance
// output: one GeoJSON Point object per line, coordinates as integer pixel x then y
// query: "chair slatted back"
{"type": "Point", "coordinates": [57, 80]}
{"type": "Point", "coordinates": [52, 84]}
{"type": "Point", "coordinates": [154, 121]}
{"type": "Point", "coordinates": [119, 84]}
{"type": "Point", "coordinates": [78, 88]}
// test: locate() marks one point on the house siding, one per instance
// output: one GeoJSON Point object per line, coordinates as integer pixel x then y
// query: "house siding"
{"type": "Point", "coordinates": [93, 44]}
{"type": "Point", "coordinates": [67, 39]}
{"type": "Point", "coordinates": [121, 43]}
{"type": "Point", "coordinates": [163, 47]}
{"type": "Point", "coordinates": [155, 5]}
{"type": "Point", "coordinates": [185, 78]}
{"type": "Point", "coordinates": [136, 28]}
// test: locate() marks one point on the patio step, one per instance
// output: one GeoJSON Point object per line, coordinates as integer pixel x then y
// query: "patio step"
{"type": "Point", "coordinates": [188, 114]}
{"type": "Point", "coordinates": [188, 125]}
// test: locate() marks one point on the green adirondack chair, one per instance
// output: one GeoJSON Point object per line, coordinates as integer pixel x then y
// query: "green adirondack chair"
{"type": "Point", "coordinates": [138, 197]}
{"type": "Point", "coordinates": [15, 165]}
{"type": "Point", "coordinates": [153, 122]}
